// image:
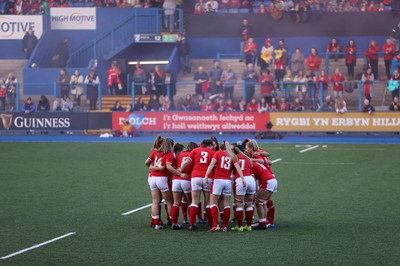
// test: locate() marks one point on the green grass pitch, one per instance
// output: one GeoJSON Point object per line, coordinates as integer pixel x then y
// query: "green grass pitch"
{"type": "Point", "coordinates": [336, 205]}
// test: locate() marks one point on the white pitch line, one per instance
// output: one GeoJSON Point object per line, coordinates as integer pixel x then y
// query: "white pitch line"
{"type": "Point", "coordinates": [138, 209]}
{"type": "Point", "coordinates": [277, 160]}
{"type": "Point", "coordinates": [310, 163]}
{"type": "Point", "coordinates": [36, 246]}
{"type": "Point", "coordinates": [311, 148]}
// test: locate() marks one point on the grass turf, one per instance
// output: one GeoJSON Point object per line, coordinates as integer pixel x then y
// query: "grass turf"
{"type": "Point", "coordinates": [336, 205]}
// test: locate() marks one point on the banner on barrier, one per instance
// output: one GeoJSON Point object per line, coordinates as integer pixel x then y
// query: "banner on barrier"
{"type": "Point", "coordinates": [13, 27]}
{"type": "Point", "coordinates": [192, 121]}
{"type": "Point", "coordinates": [55, 121]}
{"type": "Point", "coordinates": [298, 121]}
{"type": "Point", "coordinates": [73, 18]}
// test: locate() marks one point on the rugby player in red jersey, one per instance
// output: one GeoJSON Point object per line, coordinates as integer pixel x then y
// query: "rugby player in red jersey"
{"type": "Point", "coordinates": [200, 158]}
{"type": "Point", "coordinates": [268, 185]}
{"type": "Point", "coordinates": [159, 181]}
{"type": "Point", "coordinates": [223, 160]}
{"type": "Point", "coordinates": [244, 195]}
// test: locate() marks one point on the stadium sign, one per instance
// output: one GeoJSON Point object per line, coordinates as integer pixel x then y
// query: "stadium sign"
{"type": "Point", "coordinates": [83, 18]}
{"type": "Point", "coordinates": [150, 38]}
{"type": "Point", "coordinates": [14, 27]}
{"type": "Point", "coordinates": [55, 121]}
{"type": "Point", "coordinates": [192, 121]}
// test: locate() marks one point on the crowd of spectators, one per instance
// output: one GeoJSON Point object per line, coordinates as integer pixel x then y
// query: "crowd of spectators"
{"type": "Point", "coordinates": [300, 10]}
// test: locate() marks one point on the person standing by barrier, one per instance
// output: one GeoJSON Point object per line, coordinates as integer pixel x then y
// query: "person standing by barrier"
{"type": "Point", "coordinates": [113, 76]}
{"type": "Point", "coordinates": [337, 80]}
{"type": "Point", "coordinates": [351, 59]}
{"type": "Point", "coordinates": [250, 77]}
{"type": "Point", "coordinates": [92, 89]}
{"type": "Point", "coordinates": [11, 85]}
{"type": "Point", "coordinates": [246, 33]}
{"type": "Point", "coordinates": [201, 80]}
{"type": "Point", "coordinates": [3, 94]}
{"type": "Point", "coordinates": [372, 55]}
{"type": "Point", "coordinates": [250, 49]}
{"type": "Point", "coordinates": [76, 87]}
{"type": "Point", "coordinates": [367, 80]}
{"type": "Point", "coordinates": [169, 15]}
{"type": "Point", "coordinates": [215, 78]}
{"type": "Point", "coordinates": [228, 78]}
{"type": "Point", "coordinates": [388, 50]}
{"type": "Point", "coordinates": [63, 81]}
{"type": "Point", "coordinates": [183, 52]}
{"type": "Point", "coordinates": [314, 61]}
{"type": "Point", "coordinates": [29, 43]}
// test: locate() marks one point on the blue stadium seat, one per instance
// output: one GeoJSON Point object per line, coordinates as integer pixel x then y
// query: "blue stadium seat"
{"type": "Point", "coordinates": [234, 10]}
{"type": "Point", "coordinates": [244, 10]}
{"type": "Point", "coordinates": [79, 4]}
{"type": "Point", "coordinates": [89, 4]}
{"type": "Point", "coordinates": [223, 10]}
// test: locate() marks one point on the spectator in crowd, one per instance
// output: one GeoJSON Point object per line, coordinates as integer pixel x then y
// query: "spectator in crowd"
{"type": "Point", "coordinates": [61, 54]}
{"type": "Point", "coordinates": [76, 87]}
{"type": "Point", "coordinates": [28, 107]}
{"type": "Point", "coordinates": [262, 106]}
{"type": "Point", "coordinates": [188, 103]}
{"type": "Point", "coordinates": [11, 86]}
{"type": "Point", "coordinates": [288, 80]}
{"type": "Point", "coordinates": [279, 62]}
{"type": "Point", "coordinates": [241, 105]}
{"type": "Point", "coordinates": [92, 88]}
{"type": "Point", "coordinates": [125, 4]}
{"type": "Point", "coordinates": [367, 107]}
{"type": "Point", "coordinates": [333, 48]}
{"type": "Point", "coordinates": [140, 105]}
{"type": "Point", "coordinates": [199, 7]}
{"type": "Point", "coordinates": [351, 58]}
{"type": "Point", "coordinates": [394, 106]}
{"type": "Point", "coordinates": [322, 82]}
{"type": "Point", "coordinates": [43, 105]}
{"type": "Point", "coordinates": [229, 105]}
{"type": "Point", "coordinates": [117, 107]}
{"type": "Point", "coordinates": [283, 105]}
{"type": "Point", "coordinates": [20, 7]}
{"type": "Point", "coordinates": [33, 7]}
{"type": "Point", "coordinates": [285, 51]}
{"type": "Point", "coordinates": [224, 3]}
{"type": "Point", "coordinates": [183, 52]}
{"type": "Point", "coordinates": [340, 105]}
{"type": "Point", "coordinates": [201, 81]}
{"type": "Point", "coordinates": [328, 105]}
{"type": "Point", "coordinates": [337, 80]}
{"type": "Point", "coordinates": [311, 88]}
{"type": "Point", "coordinates": [3, 94]}
{"type": "Point", "coordinates": [297, 105]}
{"type": "Point", "coordinates": [262, 9]}
{"type": "Point", "coordinates": [29, 42]}
{"type": "Point", "coordinates": [246, 33]}
{"type": "Point", "coordinates": [58, 104]}
{"type": "Point", "coordinates": [68, 105]}
{"type": "Point", "coordinates": [211, 6]}
{"type": "Point", "coordinates": [367, 80]}
{"type": "Point", "coordinates": [220, 105]}
{"type": "Point", "coordinates": [273, 106]}
{"type": "Point", "coordinates": [63, 80]}
{"type": "Point", "coordinates": [372, 55]}
{"type": "Point", "coordinates": [314, 61]}
{"type": "Point", "coordinates": [169, 14]}
{"type": "Point", "coordinates": [250, 77]}
{"type": "Point", "coordinates": [301, 85]}
{"type": "Point", "coordinates": [198, 102]}
{"type": "Point", "coordinates": [209, 106]}
{"type": "Point", "coordinates": [138, 4]}
{"type": "Point", "coordinates": [393, 84]}
{"type": "Point", "coordinates": [250, 50]}
{"type": "Point", "coordinates": [154, 103]}
{"type": "Point", "coordinates": [155, 80]}
{"type": "Point", "coordinates": [114, 78]}
{"type": "Point", "coordinates": [395, 65]}
{"type": "Point", "coordinates": [388, 50]}
{"type": "Point", "coordinates": [267, 85]}
{"type": "Point", "coordinates": [167, 104]}
{"type": "Point", "coordinates": [228, 78]}
{"type": "Point", "coordinates": [252, 106]}
{"type": "Point", "coordinates": [297, 61]}
{"type": "Point", "coordinates": [180, 105]}
{"type": "Point", "coordinates": [9, 7]}
{"type": "Point", "coordinates": [265, 59]}
{"type": "Point", "coordinates": [215, 78]}
{"type": "Point", "coordinates": [139, 78]}
{"type": "Point", "coordinates": [170, 84]}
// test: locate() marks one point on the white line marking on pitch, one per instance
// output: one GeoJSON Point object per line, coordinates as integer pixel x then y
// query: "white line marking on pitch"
{"type": "Point", "coordinates": [317, 163]}
{"type": "Point", "coordinates": [36, 246]}
{"type": "Point", "coordinates": [308, 149]}
{"type": "Point", "coordinates": [277, 160]}
{"type": "Point", "coordinates": [138, 209]}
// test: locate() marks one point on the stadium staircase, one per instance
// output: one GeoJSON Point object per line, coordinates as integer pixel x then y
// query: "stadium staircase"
{"type": "Point", "coordinates": [381, 98]}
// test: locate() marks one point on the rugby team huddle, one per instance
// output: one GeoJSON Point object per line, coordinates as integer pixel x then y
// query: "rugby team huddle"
{"type": "Point", "coordinates": [216, 171]}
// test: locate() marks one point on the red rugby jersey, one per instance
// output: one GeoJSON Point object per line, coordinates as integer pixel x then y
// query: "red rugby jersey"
{"type": "Point", "coordinates": [262, 173]}
{"type": "Point", "coordinates": [224, 165]}
{"type": "Point", "coordinates": [201, 158]}
{"type": "Point", "coordinates": [178, 164]}
{"type": "Point", "coordinates": [245, 165]}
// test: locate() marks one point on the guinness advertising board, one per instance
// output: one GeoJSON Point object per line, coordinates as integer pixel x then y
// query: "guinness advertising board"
{"type": "Point", "coordinates": [55, 121]}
